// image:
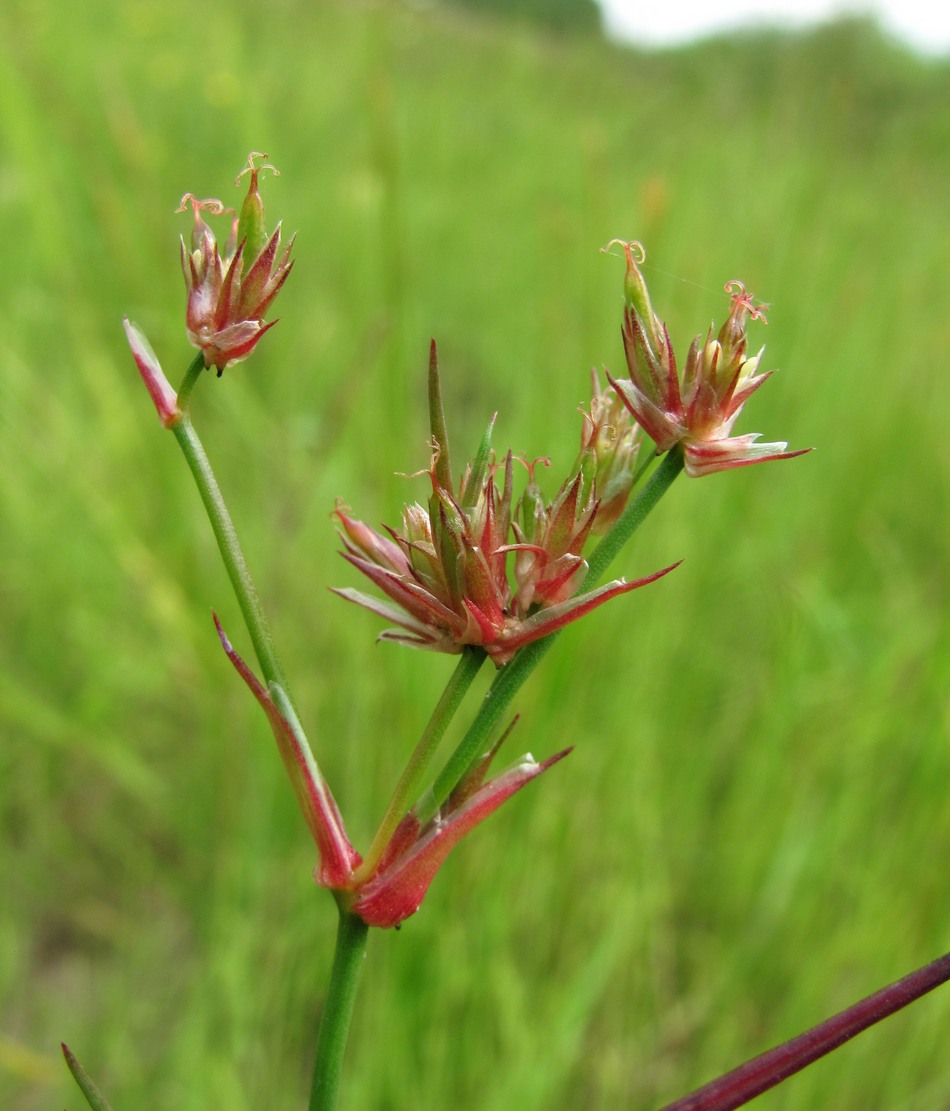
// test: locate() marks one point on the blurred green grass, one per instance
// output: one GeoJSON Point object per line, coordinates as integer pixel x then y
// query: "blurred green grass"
{"type": "Point", "coordinates": [751, 832]}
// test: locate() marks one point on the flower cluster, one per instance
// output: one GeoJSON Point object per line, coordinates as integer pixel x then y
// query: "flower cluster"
{"type": "Point", "coordinates": [228, 295]}
{"type": "Point", "coordinates": [698, 409]}
{"type": "Point", "coordinates": [446, 574]}
{"type": "Point", "coordinates": [230, 290]}
{"type": "Point", "coordinates": [475, 566]}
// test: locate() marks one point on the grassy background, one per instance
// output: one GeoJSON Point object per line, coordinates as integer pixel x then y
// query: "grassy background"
{"type": "Point", "coordinates": [753, 830]}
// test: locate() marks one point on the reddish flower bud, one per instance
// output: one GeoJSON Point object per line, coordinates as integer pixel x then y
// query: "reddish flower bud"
{"type": "Point", "coordinates": [610, 444]}
{"type": "Point", "coordinates": [229, 293]}
{"type": "Point", "coordinates": [164, 397]}
{"type": "Point", "coordinates": [699, 408]}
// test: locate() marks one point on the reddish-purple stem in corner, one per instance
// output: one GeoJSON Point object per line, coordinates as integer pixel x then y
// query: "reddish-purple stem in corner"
{"type": "Point", "coordinates": [743, 1084]}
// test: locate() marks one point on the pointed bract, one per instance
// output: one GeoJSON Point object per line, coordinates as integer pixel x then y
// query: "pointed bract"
{"type": "Point", "coordinates": [338, 858]}
{"type": "Point", "coordinates": [708, 456]}
{"type": "Point", "coordinates": [415, 852]}
{"type": "Point", "coordinates": [163, 396]}
{"type": "Point", "coordinates": [408, 867]}
{"type": "Point", "coordinates": [96, 1100]}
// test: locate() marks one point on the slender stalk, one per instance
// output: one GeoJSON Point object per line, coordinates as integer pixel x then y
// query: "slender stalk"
{"type": "Point", "coordinates": [634, 515]}
{"type": "Point", "coordinates": [229, 547]}
{"type": "Point", "coordinates": [192, 374]}
{"type": "Point", "coordinates": [352, 931]}
{"type": "Point", "coordinates": [510, 678]}
{"type": "Point", "coordinates": [467, 668]}
{"type": "Point", "coordinates": [351, 937]}
{"type": "Point", "coordinates": [743, 1084]}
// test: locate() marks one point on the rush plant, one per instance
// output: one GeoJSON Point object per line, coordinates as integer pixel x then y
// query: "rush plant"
{"type": "Point", "coordinates": [483, 566]}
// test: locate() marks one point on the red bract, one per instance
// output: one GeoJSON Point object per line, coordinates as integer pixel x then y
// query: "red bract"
{"type": "Point", "coordinates": [397, 885]}
{"type": "Point", "coordinates": [415, 853]}
{"type": "Point", "coordinates": [229, 293]}
{"type": "Point", "coordinates": [338, 859]}
{"type": "Point", "coordinates": [698, 408]}
{"type": "Point", "coordinates": [163, 396]}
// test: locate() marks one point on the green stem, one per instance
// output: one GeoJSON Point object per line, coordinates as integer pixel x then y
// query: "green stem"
{"type": "Point", "coordinates": [192, 374]}
{"type": "Point", "coordinates": [352, 931]}
{"type": "Point", "coordinates": [351, 938]}
{"type": "Point", "coordinates": [230, 548]}
{"type": "Point", "coordinates": [634, 515]}
{"type": "Point", "coordinates": [506, 685]}
{"type": "Point", "coordinates": [510, 678]}
{"type": "Point", "coordinates": [467, 668]}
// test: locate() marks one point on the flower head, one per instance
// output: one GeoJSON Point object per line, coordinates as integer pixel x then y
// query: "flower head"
{"type": "Point", "coordinates": [446, 573]}
{"type": "Point", "coordinates": [230, 291]}
{"type": "Point", "coordinates": [697, 408]}
{"type": "Point", "coordinates": [549, 567]}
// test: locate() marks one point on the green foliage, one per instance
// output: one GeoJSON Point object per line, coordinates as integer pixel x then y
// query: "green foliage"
{"type": "Point", "coordinates": [557, 15]}
{"type": "Point", "coordinates": [750, 833]}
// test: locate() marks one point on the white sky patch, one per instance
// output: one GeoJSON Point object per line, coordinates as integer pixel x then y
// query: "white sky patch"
{"type": "Point", "coordinates": [921, 24]}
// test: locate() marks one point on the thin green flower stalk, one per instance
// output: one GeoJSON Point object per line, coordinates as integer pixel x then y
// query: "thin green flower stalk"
{"type": "Point", "coordinates": [232, 555]}
{"type": "Point", "coordinates": [457, 687]}
{"type": "Point", "coordinates": [337, 856]}
{"type": "Point", "coordinates": [173, 412]}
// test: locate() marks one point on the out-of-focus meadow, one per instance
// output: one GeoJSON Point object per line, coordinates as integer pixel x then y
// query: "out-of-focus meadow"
{"type": "Point", "coordinates": [754, 827]}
